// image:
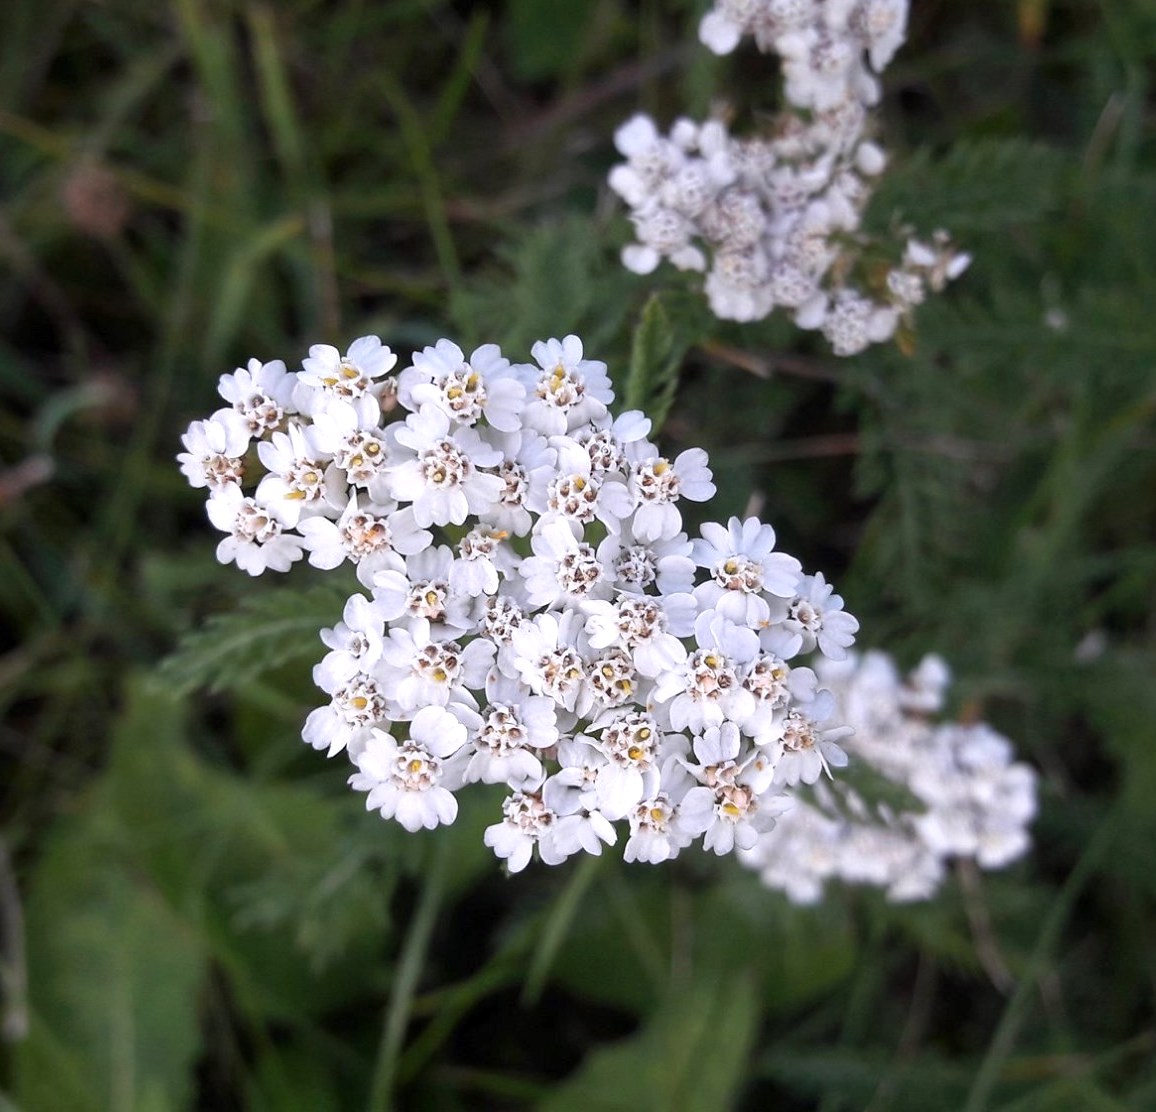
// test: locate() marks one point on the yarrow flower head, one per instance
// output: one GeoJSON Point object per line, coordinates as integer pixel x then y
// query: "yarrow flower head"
{"type": "Point", "coordinates": [969, 797]}
{"type": "Point", "coordinates": [533, 612]}
{"type": "Point", "coordinates": [774, 220]}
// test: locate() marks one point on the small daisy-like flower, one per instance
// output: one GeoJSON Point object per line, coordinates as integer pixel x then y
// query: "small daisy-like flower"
{"type": "Point", "coordinates": [511, 727]}
{"type": "Point", "coordinates": [215, 450]}
{"type": "Point", "coordinates": [256, 540]}
{"type": "Point", "coordinates": [261, 394]}
{"type": "Point", "coordinates": [743, 570]}
{"type": "Point", "coordinates": [563, 569]}
{"type": "Point", "coordinates": [546, 658]}
{"type": "Point", "coordinates": [567, 391]}
{"type": "Point", "coordinates": [444, 479]}
{"type": "Point", "coordinates": [527, 823]}
{"type": "Point", "coordinates": [485, 386]}
{"type": "Point", "coordinates": [403, 779]}
{"type": "Point", "coordinates": [355, 644]}
{"type": "Point", "coordinates": [372, 537]}
{"type": "Point", "coordinates": [806, 749]}
{"type": "Point", "coordinates": [357, 705]}
{"type": "Point", "coordinates": [355, 378]}
{"type": "Point", "coordinates": [657, 484]}
{"type": "Point", "coordinates": [301, 481]}
{"type": "Point", "coordinates": [815, 618]}
{"type": "Point", "coordinates": [655, 832]}
{"type": "Point", "coordinates": [420, 672]}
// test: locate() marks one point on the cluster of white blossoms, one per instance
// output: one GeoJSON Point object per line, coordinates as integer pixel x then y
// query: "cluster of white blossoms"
{"type": "Point", "coordinates": [562, 635]}
{"type": "Point", "coordinates": [774, 220]}
{"type": "Point", "coordinates": [968, 797]}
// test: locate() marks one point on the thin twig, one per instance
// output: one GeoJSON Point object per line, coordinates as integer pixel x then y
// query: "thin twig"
{"type": "Point", "coordinates": [979, 919]}
{"type": "Point", "coordinates": [797, 366]}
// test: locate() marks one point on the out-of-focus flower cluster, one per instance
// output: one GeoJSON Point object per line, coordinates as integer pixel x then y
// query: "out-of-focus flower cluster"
{"type": "Point", "coordinates": [774, 220]}
{"type": "Point", "coordinates": [968, 797]}
{"type": "Point", "coordinates": [561, 635]}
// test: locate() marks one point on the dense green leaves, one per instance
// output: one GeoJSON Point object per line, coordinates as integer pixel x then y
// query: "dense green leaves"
{"type": "Point", "coordinates": [212, 919]}
{"type": "Point", "coordinates": [263, 633]}
{"type": "Point", "coordinates": [691, 1055]}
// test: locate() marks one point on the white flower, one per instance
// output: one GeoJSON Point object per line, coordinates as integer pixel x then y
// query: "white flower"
{"type": "Point", "coordinates": [255, 540]}
{"type": "Point", "coordinates": [261, 394]}
{"type": "Point", "coordinates": [484, 559]}
{"type": "Point", "coordinates": [546, 651]}
{"type": "Point", "coordinates": [526, 823]}
{"type": "Point", "coordinates": [301, 481]}
{"type": "Point", "coordinates": [511, 726]}
{"type": "Point", "coordinates": [442, 479]}
{"type": "Point", "coordinates": [355, 644]}
{"type": "Point", "coordinates": [526, 470]}
{"type": "Point", "coordinates": [728, 811]}
{"type": "Point", "coordinates": [705, 690]}
{"type": "Point", "coordinates": [807, 750]}
{"type": "Point", "coordinates": [215, 450]}
{"type": "Point", "coordinates": [424, 589]}
{"type": "Point", "coordinates": [657, 484]}
{"type": "Point", "coordinates": [743, 570]}
{"type": "Point", "coordinates": [639, 625]}
{"type": "Point", "coordinates": [581, 647]}
{"type": "Point", "coordinates": [372, 537]}
{"type": "Point", "coordinates": [636, 565]}
{"type": "Point", "coordinates": [421, 672]}
{"type": "Point", "coordinates": [353, 378]}
{"type": "Point", "coordinates": [357, 705]}
{"type": "Point", "coordinates": [567, 390]}
{"type": "Point", "coordinates": [737, 209]}
{"type": "Point", "coordinates": [403, 778]}
{"type": "Point", "coordinates": [816, 617]}
{"type": "Point", "coordinates": [563, 569]}
{"type": "Point", "coordinates": [655, 833]}
{"type": "Point", "coordinates": [466, 391]}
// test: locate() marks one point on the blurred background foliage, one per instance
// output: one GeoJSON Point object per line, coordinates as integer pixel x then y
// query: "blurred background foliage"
{"type": "Point", "coordinates": [195, 911]}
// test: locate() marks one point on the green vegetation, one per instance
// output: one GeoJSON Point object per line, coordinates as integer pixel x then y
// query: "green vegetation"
{"type": "Point", "coordinates": [195, 912]}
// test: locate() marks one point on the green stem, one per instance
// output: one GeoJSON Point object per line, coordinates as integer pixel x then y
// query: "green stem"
{"type": "Point", "coordinates": [409, 967]}
{"type": "Point", "coordinates": [1014, 1014]}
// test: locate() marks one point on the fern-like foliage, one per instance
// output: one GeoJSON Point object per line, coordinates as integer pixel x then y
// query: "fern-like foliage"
{"type": "Point", "coordinates": [551, 280]}
{"type": "Point", "coordinates": [982, 185]}
{"type": "Point", "coordinates": [265, 632]}
{"type": "Point", "coordinates": [670, 323]}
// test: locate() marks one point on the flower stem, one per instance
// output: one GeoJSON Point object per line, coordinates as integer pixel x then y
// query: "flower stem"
{"type": "Point", "coordinates": [409, 967]}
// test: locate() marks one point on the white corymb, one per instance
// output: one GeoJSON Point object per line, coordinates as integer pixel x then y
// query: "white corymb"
{"type": "Point", "coordinates": [536, 615]}
{"type": "Point", "coordinates": [773, 219]}
{"type": "Point", "coordinates": [968, 796]}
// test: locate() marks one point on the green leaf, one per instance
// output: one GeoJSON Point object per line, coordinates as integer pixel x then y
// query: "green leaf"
{"type": "Point", "coordinates": [114, 977]}
{"type": "Point", "coordinates": [691, 1056]}
{"type": "Point", "coordinates": [982, 185]}
{"type": "Point", "coordinates": [267, 631]}
{"type": "Point", "coordinates": [553, 279]}
{"type": "Point", "coordinates": [655, 356]}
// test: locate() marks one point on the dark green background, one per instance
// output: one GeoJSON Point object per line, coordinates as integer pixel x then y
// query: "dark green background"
{"type": "Point", "coordinates": [210, 920]}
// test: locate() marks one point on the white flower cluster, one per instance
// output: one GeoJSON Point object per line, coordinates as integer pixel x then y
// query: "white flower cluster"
{"type": "Point", "coordinates": [774, 221]}
{"type": "Point", "coordinates": [971, 798]}
{"type": "Point", "coordinates": [567, 640]}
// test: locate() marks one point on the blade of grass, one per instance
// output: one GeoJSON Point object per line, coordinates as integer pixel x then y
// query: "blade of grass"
{"type": "Point", "coordinates": [557, 927]}
{"type": "Point", "coordinates": [414, 136]}
{"type": "Point", "coordinates": [406, 976]}
{"type": "Point", "coordinates": [1007, 1031]}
